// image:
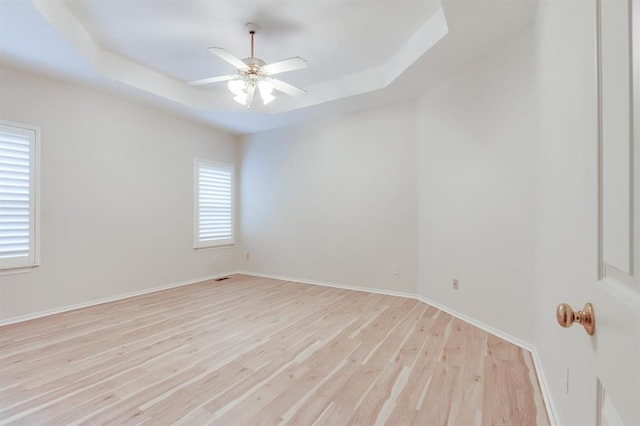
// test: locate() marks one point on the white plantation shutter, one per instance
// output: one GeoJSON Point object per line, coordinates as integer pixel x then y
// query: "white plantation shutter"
{"type": "Point", "coordinates": [18, 151]}
{"type": "Point", "coordinates": [214, 206]}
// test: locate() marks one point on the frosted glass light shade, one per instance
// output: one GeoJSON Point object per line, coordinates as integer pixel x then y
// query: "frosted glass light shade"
{"type": "Point", "coordinates": [236, 87]}
{"type": "Point", "coordinates": [266, 97]}
{"type": "Point", "coordinates": [241, 98]}
{"type": "Point", "coordinates": [266, 87]}
{"type": "Point", "coordinates": [240, 87]}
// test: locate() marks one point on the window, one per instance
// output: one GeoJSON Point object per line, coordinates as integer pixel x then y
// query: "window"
{"type": "Point", "coordinates": [214, 204]}
{"type": "Point", "coordinates": [18, 195]}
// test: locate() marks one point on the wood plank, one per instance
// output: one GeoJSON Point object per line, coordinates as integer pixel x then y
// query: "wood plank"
{"type": "Point", "coordinates": [252, 350]}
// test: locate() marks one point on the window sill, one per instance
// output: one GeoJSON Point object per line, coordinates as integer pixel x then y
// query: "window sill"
{"type": "Point", "coordinates": [220, 247]}
{"type": "Point", "coordinates": [18, 270]}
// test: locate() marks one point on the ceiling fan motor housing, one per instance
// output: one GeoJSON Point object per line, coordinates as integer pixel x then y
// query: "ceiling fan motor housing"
{"type": "Point", "coordinates": [254, 64]}
{"type": "Point", "coordinates": [253, 73]}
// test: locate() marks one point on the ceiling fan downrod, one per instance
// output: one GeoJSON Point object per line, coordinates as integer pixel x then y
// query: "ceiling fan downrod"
{"type": "Point", "coordinates": [252, 28]}
{"type": "Point", "coordinates": [252, 34]}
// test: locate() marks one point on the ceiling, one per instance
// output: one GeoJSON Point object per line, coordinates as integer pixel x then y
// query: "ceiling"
{"type": "Point", "coordinates": [360, 53]}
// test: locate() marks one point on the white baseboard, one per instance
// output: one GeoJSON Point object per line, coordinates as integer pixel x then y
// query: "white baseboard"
{"type": "Point", "coordinates": [107, 299]}
{"type": "Point", "coordinates": [328, 284]}
{"type": "Point", "coordinates": [482, 326]}
{"type": "Point", "coordinates": [544, 389]}
{"type": "Point", "coordinates": [509, 338]}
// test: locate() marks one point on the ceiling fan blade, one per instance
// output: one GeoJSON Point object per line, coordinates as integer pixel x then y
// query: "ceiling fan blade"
{"type": "Point", "coordinates": [223, 54]}
{"type": "Point", "coordinates": [212, 80]}
{"type": "Point", "coordinates": [251, 91]}
{"type": "Point", "coordinates": [285, 65]}
{"type": "Point", "coordinates": [287, 88]}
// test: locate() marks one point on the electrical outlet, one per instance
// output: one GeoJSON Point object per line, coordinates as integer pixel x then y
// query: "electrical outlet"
{"type": "Point", "coordinates": [455, 283]}
{"type": "Point", "coordinates": [396, 270]}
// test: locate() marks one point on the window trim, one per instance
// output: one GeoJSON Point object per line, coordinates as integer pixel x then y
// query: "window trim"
{"type": "Point", "coordinates": [33, 260]}
{"type": "Point", "coordinates": [208, 244]}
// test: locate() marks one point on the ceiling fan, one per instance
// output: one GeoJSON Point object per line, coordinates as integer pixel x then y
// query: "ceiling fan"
{"type": "Point", "coordinates": [254, 74]}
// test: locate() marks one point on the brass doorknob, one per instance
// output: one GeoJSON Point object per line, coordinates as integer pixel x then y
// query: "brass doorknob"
{"type": "Point", "coordinates": [567, 316]}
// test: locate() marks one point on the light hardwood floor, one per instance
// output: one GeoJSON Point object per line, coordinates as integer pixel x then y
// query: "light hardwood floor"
{"type": "Point", "coordinates": [253, 350]}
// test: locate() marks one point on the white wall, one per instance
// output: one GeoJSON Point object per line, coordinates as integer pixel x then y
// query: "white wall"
{"type": "Point", "coordinates": [334, 201]}
{"type": "Point", "coordinates": [116, 195]}
{"type": "Point", "coordinates": [476, 184]}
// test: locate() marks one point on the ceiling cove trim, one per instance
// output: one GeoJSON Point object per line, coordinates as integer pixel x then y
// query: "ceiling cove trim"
{"type": "Point", "coordinates": [427, 36]}
{"type": "Point", "coordinates": [129, 72]}
{"type": "Point", "coordinates": [115, 66]}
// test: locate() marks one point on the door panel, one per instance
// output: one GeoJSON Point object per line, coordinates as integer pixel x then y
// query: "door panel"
{"type": "Point", "coordinates": [615, 131]}
{"type": "Point", "coordinates": [607, 412]}
{"type": "Point", "coordinates": [616, 292]}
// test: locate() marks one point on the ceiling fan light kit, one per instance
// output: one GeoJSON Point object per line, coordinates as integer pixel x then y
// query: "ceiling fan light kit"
{"type": "Point", "coordinates": [254, 74]}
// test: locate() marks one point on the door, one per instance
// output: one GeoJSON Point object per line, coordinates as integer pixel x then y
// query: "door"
{"type": "Point", "coordinates": [616, 291]}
